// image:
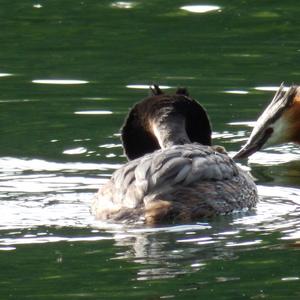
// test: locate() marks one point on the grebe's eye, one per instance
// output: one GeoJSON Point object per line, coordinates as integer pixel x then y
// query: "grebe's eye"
{"type": "Point", "coordinates": [269, 131]}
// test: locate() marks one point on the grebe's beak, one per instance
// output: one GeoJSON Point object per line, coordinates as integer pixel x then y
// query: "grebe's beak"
{"type": "Point", "coordinates": [272, 126]}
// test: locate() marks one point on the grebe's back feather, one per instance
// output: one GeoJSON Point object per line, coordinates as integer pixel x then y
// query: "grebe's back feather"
{"type": "Point", "coordinates": [181, 183]}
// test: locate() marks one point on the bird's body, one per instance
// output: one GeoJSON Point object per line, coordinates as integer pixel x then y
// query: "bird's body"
{"type": "Point", "coordinates": [175, 175]}
{"type": "Point", "coordinates": [180, 183]}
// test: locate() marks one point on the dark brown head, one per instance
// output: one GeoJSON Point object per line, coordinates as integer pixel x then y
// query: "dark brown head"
{"type": "Point", "coordinates": [139, 135]}
{"type": "Point", "coordinates": [278, 124]}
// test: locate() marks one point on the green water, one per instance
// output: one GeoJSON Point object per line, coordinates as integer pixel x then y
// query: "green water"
{"type": "Point", "coordinates": [60, 141]}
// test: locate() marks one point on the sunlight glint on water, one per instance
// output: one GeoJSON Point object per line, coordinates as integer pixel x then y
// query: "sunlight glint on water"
{"type": "Point", "coordinates": [201, 8]}
{"type": "Point", "coordinates": [59, 81]}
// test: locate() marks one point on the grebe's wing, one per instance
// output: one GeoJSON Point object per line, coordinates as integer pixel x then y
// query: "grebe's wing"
{"type": "Point", "coordinates": [140, 181]}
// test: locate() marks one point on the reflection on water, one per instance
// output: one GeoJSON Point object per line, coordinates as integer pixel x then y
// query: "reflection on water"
{"type": "Point", "coordinates": [78, 150]}
{"type": "Point", "coordinates": [93, 112]}
{"type": "Point", "coordinates": [239, 92]}
{"type": "Point", "coordinates": [201, 8]}
{"type": "Point", "coordinates": [277, 155]}
{"type": "Point", "coordinates": [59, 81]}
{"type": "Point", "coordinates": [36, 192]}
{"type": "Point", "coordinates": [193, 246]}
{"type": "Point", "coordinates": [244, 123]}
{"type": "Point", "coordinates": [37, 5]}
{"type": "Point", "coordinates": [146, 87]}
{"type": "Point", "coordinates": [270, 88]}
{"type": "Point", "coordinates": [123, 4]}
{"type": "Point", "coordinates": [5, 74]}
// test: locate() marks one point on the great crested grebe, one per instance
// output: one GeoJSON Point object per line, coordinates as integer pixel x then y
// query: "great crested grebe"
{"type": "Point", "coordinates": [175, 175]}
{"type": "Point", "coordinates": [278, 124]}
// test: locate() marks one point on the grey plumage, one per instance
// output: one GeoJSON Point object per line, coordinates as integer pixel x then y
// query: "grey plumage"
{"type": "Point", "coordinates": [189, 177]}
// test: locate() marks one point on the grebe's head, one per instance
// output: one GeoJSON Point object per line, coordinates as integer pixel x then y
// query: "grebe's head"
{"type": "Point", "coordinates": [162, 120]}
{"type": "Point", "coordinates": [278, 124]}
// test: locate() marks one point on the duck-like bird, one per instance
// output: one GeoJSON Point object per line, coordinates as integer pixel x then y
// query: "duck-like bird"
{"type": "Point", "coordinates": [278, 124]}
{"type": "Point", "coordinates": [175, 175]}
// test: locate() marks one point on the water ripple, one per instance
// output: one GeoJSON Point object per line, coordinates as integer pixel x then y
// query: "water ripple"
{"type": "Point", "coordinates": [60, 81]}
{"type": "Point", "coordinates": [93, 112]}
{"type": "Point", "coordinates": [123, 4]}
{"type": "Point", "coordinates": [145, 86]}
{"type": "Point", "coordinates": [36, 192]}
{"type": "Point", "coordinates": [5, 74]}
{"type": "Point", "coordinates": [12, 164]}
{"type": "Point", "coordinates": [201, 8]}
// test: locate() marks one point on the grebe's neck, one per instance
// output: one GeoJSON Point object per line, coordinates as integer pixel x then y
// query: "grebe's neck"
{"type": "Point", "coordinates": [163, 120]}
{"type": "Point", "coordinates": [170, 130]}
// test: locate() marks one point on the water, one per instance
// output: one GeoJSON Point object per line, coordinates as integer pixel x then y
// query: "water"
{"type": "Point", "coordinates": [69, 71]}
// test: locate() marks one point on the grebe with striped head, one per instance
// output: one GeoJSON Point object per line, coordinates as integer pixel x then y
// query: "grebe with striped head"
{"type": "Point", "coordinates": [175, 175]}
{"type": "Point", "coordinates": [279, 123]}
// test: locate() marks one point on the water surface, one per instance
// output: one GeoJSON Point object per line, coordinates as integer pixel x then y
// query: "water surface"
{"type": "Point", "coordinates": [69, 71]}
